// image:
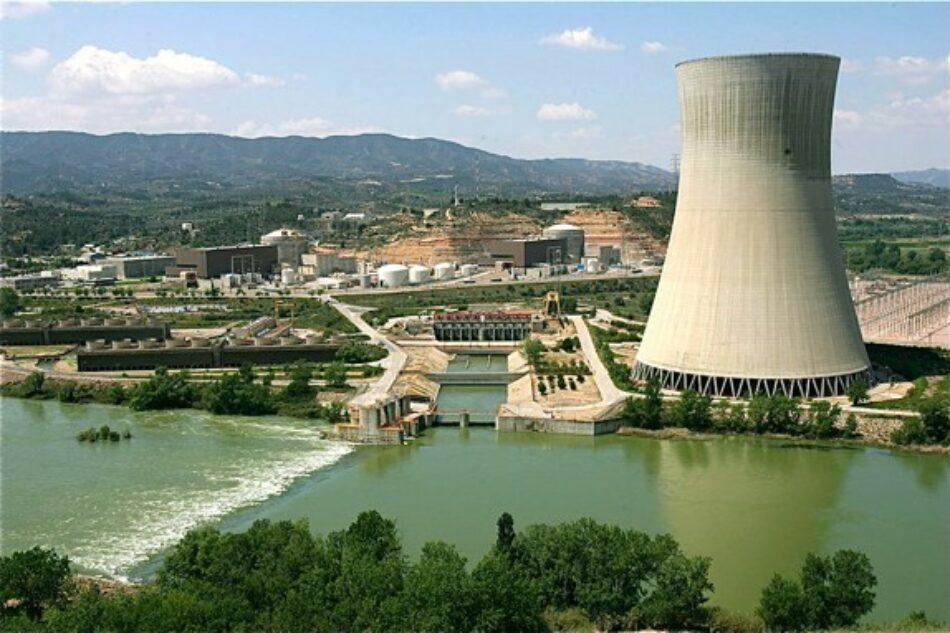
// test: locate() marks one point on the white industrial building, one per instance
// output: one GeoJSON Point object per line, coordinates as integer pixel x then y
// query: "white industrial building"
{"type": "Point", "coordinates": [325, 263]}
{"type": "Point", "coordinates": [291, 245]}
{"type": "Point", "coordinates": [573, 235]}
{"type": "Point", "coordinates": [139, 266]}
{"type": "Point", "coordinates": [753, 296]}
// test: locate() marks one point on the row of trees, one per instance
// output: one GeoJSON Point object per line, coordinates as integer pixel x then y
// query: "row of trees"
{"type": "Point", "coordinates": [891, 257]}
{"type": "Point", "coordinates": [278, 577]}
{"type": "Point", "coordinates": [236, 393]}
{"type": "Point", "coordinates": [763, 414]}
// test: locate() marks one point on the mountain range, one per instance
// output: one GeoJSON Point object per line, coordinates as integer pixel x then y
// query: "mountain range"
{"type": "Point", "coordinates": [58, 161]}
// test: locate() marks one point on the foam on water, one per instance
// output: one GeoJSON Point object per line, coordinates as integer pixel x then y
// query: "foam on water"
{"type": "Point", "coordinates": [165, 516]}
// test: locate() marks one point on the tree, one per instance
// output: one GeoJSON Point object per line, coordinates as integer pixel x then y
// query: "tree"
{"type": "Point", "coordinates": [237, 394]}
{"type": "Point", "coordinates": [9, 302]}
{"type": "Point", "coordinates": [507, 598]}
{"type": "Point", "coordinates": [691, 411]}
{"type": "Point", "coordinates": [533, 349]}
{"type": "Point", "coordinates": [858, 391]}
{"type": "Point", "coordinates": [782, 605]}
{"type": "Point", "coordinates": [646, 412]}
{"type": "Point", "coordinates": [37, 578]}
{"type": "Point", "coordinates": [299, 386]}
{"type": "Point", "coordinates": [163, 391]}
{"type": "Point", "coordinates": [838, 590]}
{"type": "Point", "coordinates": [336, 374]}
{"type": "Point", "coordinates": [438, 595]}
{"type": "Point", "coordinates": [506, 533]}
{"type": "Point", "coordinates": [822, 416]}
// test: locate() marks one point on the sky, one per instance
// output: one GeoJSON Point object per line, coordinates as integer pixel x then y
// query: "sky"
{"type": "Point", "coordinates": [590, 81]}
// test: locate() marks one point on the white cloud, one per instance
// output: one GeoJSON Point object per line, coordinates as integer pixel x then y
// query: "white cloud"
{"type": "Point", "coordinates": [915, 71]}
{"type": "Point", "coordinates": [314, 127]}
{"type": "Point", "coordinates": [13, 10]}
{"type": "Point", "coordinates": [467, 80]}
{"type": "Point", "coordinates": [493, 93]}
{"type": "Point", "coordinates": [30, 59]}
{"type": "Point", "coordinates": [848, 116]}
{"type": "Point", "coordinates": [851, 66]}
{"type": "Point", "coordinates": [653, 48]}
{"type": "Point", "coordinates": [264, 81]}
{"type": "Point", "coordinates": [470, 110]}
{"type": "Point", "coordinates": [564, 112]}
{"type": "Point", "coordinates": [116, 72]}
{"type": "Point", "coordinates": [581, 38]}
{"type": "Point", "coordinates": [102, 114]}
{"type": "Point", "coordinates": [460, 80]}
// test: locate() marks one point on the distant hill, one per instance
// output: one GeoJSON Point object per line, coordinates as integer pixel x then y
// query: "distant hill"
{"type": "Point", "coordinates": [58, 161]}
{"type": "Point", "coordinates": [883, 194]}
{"type": "Point", "coordinates": [934, 177]}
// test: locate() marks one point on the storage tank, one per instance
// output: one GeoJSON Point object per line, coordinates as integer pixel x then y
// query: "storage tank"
{"type": "Point", "coordinates": [366, 281]}
{"type": "Point", "coordinates": [418, 275]}
{"type": "Point", "coordinates": [573, 235]}
{"type": "Point", "coordinates": [444, 271]}
{"type": "Point", "coordinates": [467, 270]}
{"type": "Point", "coordinates": [393, 275]}
{"type": "Point", "coordinates": [754, 296]}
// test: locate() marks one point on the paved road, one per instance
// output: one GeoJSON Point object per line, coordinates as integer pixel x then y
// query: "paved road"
{"type": "Point", "coordinates": [393, 364]}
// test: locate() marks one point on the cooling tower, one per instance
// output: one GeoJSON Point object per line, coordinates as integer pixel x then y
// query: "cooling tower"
{"type": "Point", "coordinates": [753, 295]}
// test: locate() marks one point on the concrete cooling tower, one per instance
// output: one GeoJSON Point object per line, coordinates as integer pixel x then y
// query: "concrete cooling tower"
{"type": "Point", "coordinates": [753, 295]}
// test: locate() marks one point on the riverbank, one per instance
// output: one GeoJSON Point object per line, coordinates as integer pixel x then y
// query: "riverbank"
{"type": "Point", "coordinates": [679, 433]}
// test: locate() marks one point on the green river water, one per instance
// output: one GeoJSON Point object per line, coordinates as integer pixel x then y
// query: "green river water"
{"type": "Point", "coordinates": [756, 507]}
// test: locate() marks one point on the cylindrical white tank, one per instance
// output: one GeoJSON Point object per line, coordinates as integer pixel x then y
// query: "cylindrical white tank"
{"type": "Point", "coordinates": [393, 275]}
{"type": "Point", "coordinates": [573, 235]}
{"type": "Point", "coordinates": [443, 271]}
{"type": "Point", "coordinates": [467, 270]}
{"type": "Point", "coordinates": [754, 296]}
{"type": "Point", "coordinates": [366, 281]}
{"type": "Point", "coordinates": [418, 275]}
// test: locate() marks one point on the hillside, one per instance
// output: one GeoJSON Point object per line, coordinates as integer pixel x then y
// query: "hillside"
{"type": "Point", "coordinates": [61, 161]}
{"type": "Point", "coordinates": [882, 194]}
{"type": "Point", "coordinates": [933, 177]}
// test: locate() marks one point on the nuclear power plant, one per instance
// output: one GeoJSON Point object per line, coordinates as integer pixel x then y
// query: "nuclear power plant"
{"type": "Point", "coordinates": [754, 296]}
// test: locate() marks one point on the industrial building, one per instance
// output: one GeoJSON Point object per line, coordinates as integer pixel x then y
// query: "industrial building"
{"type": "Point", "coordinates": [754, 296]}
{"type": "Point", "coordinates": [200, 353]}
{"type": "Point", "coordinates": [70, 331]}
{"type": "Point", "coordinates": [26, 283]}
{"type": "Point", "coordinates": [291, 245]}
{"type": "Point", "coordinates": [573, 236]}
{"type": "Point", "coordinates": [323, 263]}
{"type": "Point", "coordinates": [139, 266]}
{"type": "Point", "coordinates": [528, 252]}
{"type": "Point", "coordinates": [482, 326]}
{"type": "Point", "coordinates": [90, 272]}
{"type": "Point", "coordinates": [211, 263]}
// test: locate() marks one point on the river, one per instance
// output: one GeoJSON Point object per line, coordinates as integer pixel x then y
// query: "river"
{"type": "Point", "coordinates": [755, 506]}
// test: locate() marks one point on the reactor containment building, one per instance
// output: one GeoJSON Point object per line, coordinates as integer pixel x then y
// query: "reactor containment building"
{"type": "Point", "coordinates": [754, 296]}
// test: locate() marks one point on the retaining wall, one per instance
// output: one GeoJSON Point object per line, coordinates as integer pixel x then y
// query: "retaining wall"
{"type": "Point", "coordinates": [565, 427]}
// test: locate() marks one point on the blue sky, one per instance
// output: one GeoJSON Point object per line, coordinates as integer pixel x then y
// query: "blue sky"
{"type": "Point", "coordinates": [526, 80]}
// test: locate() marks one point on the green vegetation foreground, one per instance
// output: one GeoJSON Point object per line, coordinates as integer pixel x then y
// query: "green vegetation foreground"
{"type": "Point", "coordinates": [571, 576]}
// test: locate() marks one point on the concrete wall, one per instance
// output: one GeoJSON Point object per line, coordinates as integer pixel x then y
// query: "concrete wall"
{"type": "Point", "coordinates": [565, 427]}
{"type": "Point", "coordinates": [754, 283]}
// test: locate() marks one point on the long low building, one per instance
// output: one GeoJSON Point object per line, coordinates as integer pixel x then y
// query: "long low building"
{"type": "Point", "coordinates": [179, 354]}
{"type": "Point", "coordinates": [482, 326]}
{"type": "Point", "coordinates": [70, 331]}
